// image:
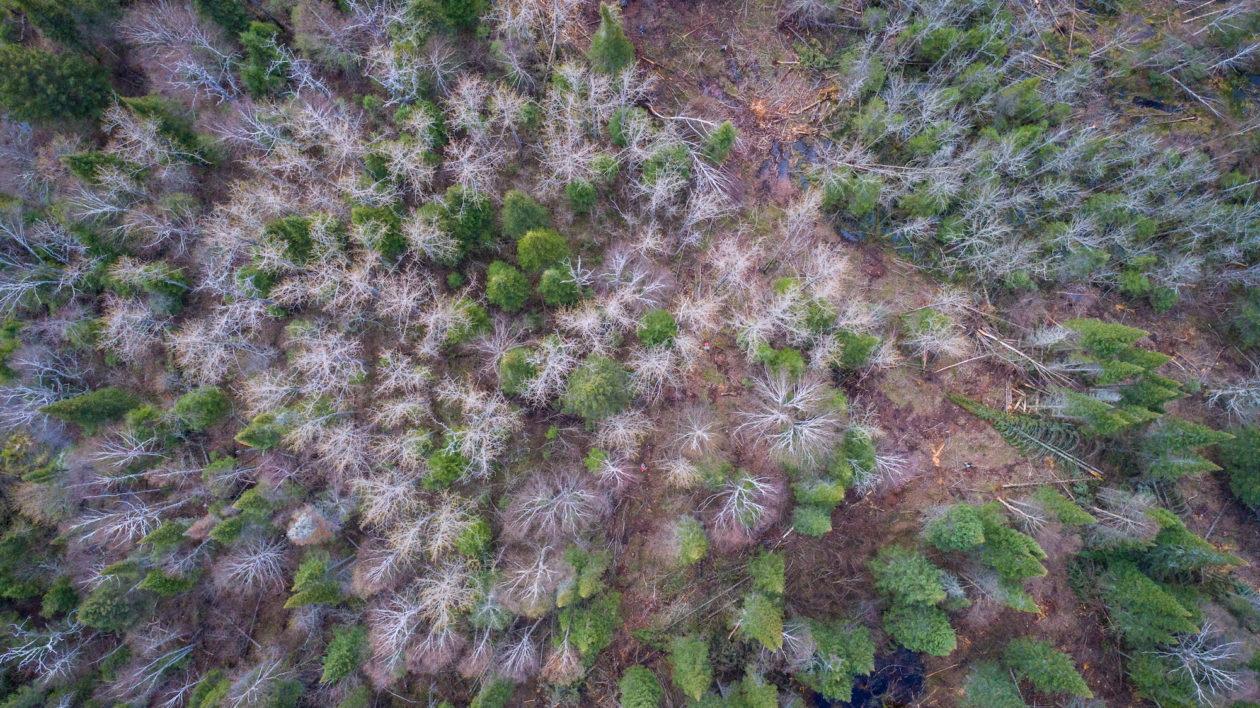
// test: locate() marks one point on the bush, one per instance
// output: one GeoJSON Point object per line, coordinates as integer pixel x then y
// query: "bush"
{"type": "Point", "coordinates": [541, 248]}
{"type": "Point", "coordinates": [38, 86]}
{"type": "Point", "coordinates": [344, 654]}
{"type": "Point", "coordinates": [599, 388]}
{"type": "Point", "coordinates": [689, 666]}
{"type": "Point", "coordinates": [959, 529]}
{"type": "Point", "coordinates": [203, 408]}
{"type": "Point", "coordinates": [112, 606]}
{"type": "Point", "coordinates": [719, 143]}
{"type": "Point", "coordinates": [811, 520]}
{"type": "Point", "coordinates": [920, 628]}
{"type": "Point", "coordinates": [657, 327]}
{"type": "Point", "coordinates": [766, 570]}
{"type": "Point", "coordinates": [581, 195]}
{"type": "Point", "coordinates": [639, 688]}
{"type": "Point", "coordinates": [610, 51]}
{"type": "Point", "coordinates": [521, 214]}
{"type": "Point", "coordinates": [558, 288]}
{"type": "Point", "coordinates": [311, 583]}
{"type": "Point", "coordinates": [1240, 458]}
{"type": "Point", "coordinates": [1048, 669]}
{"type": "Point", "coordinates": [506, 286]}
{"type": "Point", "coordinates": [93, 409]}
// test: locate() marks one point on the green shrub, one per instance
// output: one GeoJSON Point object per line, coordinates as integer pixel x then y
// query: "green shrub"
{"type": "Point", "coordinates": [94, 409]}
{"type": "Point", "coordinates": [294, 233]}
{"type": "Point", "coordinates": [112, 606]}
{"type": "Point", "coordinates": [761, 618]}
{"type": "Point", "coordinates": [1240, 458]}
{"type": "Point", "coordinates": [907, 576]}
{"type": "Point", "coordinates": [60, 599]}
{"type": "Point", "coordinates": [719, 143]}
{"type": "Point", "coordinates": [590, 626]}
{"type": "Point", "coordinates": [381, 230]}
{"type": "Point", "coordinates": [811, 520]}
{"type": "Point", "coordinates": [465, 216]}
{"type": "Point", "coordinates": [639, 688]}
{"type": "Point", "coordinates": [610, 51]}
{"type": "Point", "coordinates": [203, 407]}
{"type": "Point", "coordinates": [597, 389]}
{"type": "Point", "coordinates": [493, 694]}
{"type": "Point", "coordinates": [506, 286]}
{"type": "Point", "coordinates": [693, 545]}
{"type": "Point", "coordinates": [766, 570]}
{"type": "Point", "coordinates": [689, 666]}
{"type": "Point", "coordinates": [344, 654]}
{"type": "Point", "coordinates": [521, 214]}
{"type": "Point", "coordinates": [1048, 669]}
{"type": "Point", "coordinates": [657, 327]}
{"type": "Point", "coordinates": [959, 529]}
{"type": "Point", "coordinates": [581, 195]}
{"type": "Point", "coordinates": [165, 585]}
{"type": "Point", "coordinates": [515, 370]}
{"type": "Point", "coordinates": [541, 248]}
{"type": "Point", "coordinates": [920, 628]}
{"type": "Point", "coordinates": [558, 288]}
{"type": "Point", "coordinates": [312, 584]}
{"type": "Point", "coordinates": [265, 432]}
{"type": "Point", "coordinates": [462, 14]}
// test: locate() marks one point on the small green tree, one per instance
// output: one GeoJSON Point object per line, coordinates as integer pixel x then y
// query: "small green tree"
{"type": "Point", "coordinates": [590, 625]}
{"type": "Point", "coordinates": [312, 584]}
{"type": "Point", "coordinates": [462, 14]}
{"type": "Point", "coordinates": [639, 688]}
{"type": "Point", "coordinates": [39, 86]}
{"type": "Point", "coordinates": [990, 686]}
{"type": "Point", "coordinates": [1141, 611]}
{"type": "Point", "coordinates": [692, 543]}
{"type": "Point", "coordinates": [1240, 458]}
{"type": "Point", "coordinates": [766, 570]}
{"type": "Point", "coordinates": [761, 618]}
{"type": "Point", "coordinates": [93, 409]}
{"type": "Point", "coordinates": [515, 370]}
{"type": "Point", "coordinates": [610, 51]}
{"type": "Point", "coordinates": [842, 653]}
{"type": "Point", "coordinates": [380, 229]}
{"type": "Point", "coordinates": [521, 214]}
{"type": "Point", "coordinates": [599, 388]}
{"type": "Point", "coordinates": [719, 143]}
{"type": "Point", "coordinates": [203, 407]}
{"type": "Point", "coordinates": [581, 195]}
{"type": "Point", "coordinates": [1047, 668]}
{"type": "Point", "coordinates": [920, 628]}
{"type": "Point", "coordinates": [1012, 554]}
{"type": "Point", "coordinates": [558, 288]}
{"type": "Point", "coordinates": [657, 327]}
{"type": "Point", "coordinates": [541, 248]}
{"type": "Point", "coordinates": [344, 654]}
{"type": "Point", "coordinates": [907, 576]}
{"type": "Point", "coordinates": [689, 666]}
{"type": "Point", "coordinates": [265, 71]}
{"type": "Point", "coordinates": [112, 606]}
{"type": "Point", "coordinates": [506, 286]}
{"type": "Point", "coordinates": [958, 529]}
{"type": "Point", "coordinates": [465, 216]}
{"type": "Point", "coordinates": [231, 15]}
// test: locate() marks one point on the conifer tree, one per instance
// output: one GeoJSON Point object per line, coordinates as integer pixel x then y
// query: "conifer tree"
{"type": "Point", "coordinates": [599, 388]}
{"type": "Point", "coordinates": [610, 51]}
{"type": "Point", "coordinates": [689, 663]}
{"type": "Point", "coordinates": [39, 86]}
{"type": "Point", "coordinates": [842, 653]}
{"type": "Point", "coordinates": [990, 686]}
{"type": "Point", "coordinates": [344, 654]}
{"type": "Point", "coordinates": [521, 214]}
{"type": "Point", "coordinates": [1047, 668]}
{"type": "Point", "coordinates": [506, 286]}
{"type": "Point", "coordinates": [907, 576]}
{"type": "Point", "coordinates": [958, 529]}
{"type": "Point", "coordinates": [761, 618]}
{"type": "Point", "coordinates": [639, 688]}
{"type": "Point", "coordinates": [922, 628]}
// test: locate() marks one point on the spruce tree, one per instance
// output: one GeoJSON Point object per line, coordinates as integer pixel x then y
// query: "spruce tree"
{"type": "Point", "coordinates": [38, 86]}
{"type": "Point", "coordinates": [344, 654]}
{"type": "Point", "coordinates": [93, 409]}
{"type": "Point", "coordinates": [907, 576]}
{"type": "Point", "coordinates": [958, 529]}
{"type": "Point", "coordinates": [1046, 668]}
{"type": "Point", "coordinates": [610, 51]}
{"type": "Point", "coordinates": [597, 389]}
{"type": "Point", "coordinates": [506, 286]}
{"type": "Point", "coordinates": [920, 628]}
{"type": "Point", "coordinates": [689, 663]}
{"type": "Point", "coordinates": [639, 688]}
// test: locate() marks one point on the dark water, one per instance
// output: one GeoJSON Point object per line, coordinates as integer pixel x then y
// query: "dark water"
{"type": "Point", "coordinates": [897, 680]}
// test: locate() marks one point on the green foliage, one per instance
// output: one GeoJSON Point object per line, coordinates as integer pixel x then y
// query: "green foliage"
{"type": "Point", "coordinates": [841, 654]}
{"type": "Point", "coordinates": [231, 15]}
{"type": "Point", "coordinates": [1142, 611]}
{"type": "Point", "coordinates": [811, 520]}
{"type": "Point", "coordinates": [587, 579]}
{"type": "Point", "coordinates": [294, 234]}
{"type": "Point", "coordinates": [94, 409]}
{"type": "Point", "coordinates": [590, 625]}
{"type": "Point", "coordinates": [689, 666]}
{"type": "Point", "coordinates": [506, 286]}
{"type": "Point", "coordinates": [462, 14]}
{"type": "Point", "coordinates": [990, 686]}
{"type": "Point", "coordinates": [88, 165]}
{"type": "Point", "coordinates": [599, 388]}
{"type": "Point", "coordinates": [211, 690]}
{"type": "Point", "coordinates": [1169, 449]}
{"type": "Point", "coordinates": [1048, 669]}
{"type": "Point", "coordinates": [345, 653]}
{"type": "Point", "coordinates": [60, 599]}
{"type": "Point", "coordinates": [920, 628]}
{"type": "Point", "coordinates": [520, 215]}
{"type": "Point", "coordinates": [766, 570]}
{"type": "Point", "coordinates": [264, 72]}
{"type": "Point", "coordinates": [1033, 437]}
{"type": "Point", "coordinates": [781, 361]}
{"type": "Point", "coordinates": [475, 541]}
{"type": "Point", "coordinates": [166, 585]}
{"type": "Point", "coordinates": [717, 146]}
{"type": "Point", "coordinates": [581, 195]}
{"type": "Point", "coordinates": [541, 248]}
{"type": "Point", "coordinates": [465, 216]}
{"type": "Point", "coordinates": [39, 86]}
{"type": "Point", "coordinates": [693, 545]}
{"type": "Point", "coordinates": [858, 450]}
{"type": "Point", "coordinates": [475, 321]}
{"type": "Point", "coordinates": [1240, 458]}
{"type": "Point", "coordinates": [761, 618]}
{"type": "Point", "coordinates": [264, 432]}
{"type": "Point", "coordinates": [958, 529]}
{"type": "Point", "coordinates": [855, 349]}
{"type": "Point", "coordinates": [610, 51]}
{"type": "Point", "coordinates": [515, 370]}
{"type": "Point", "coordinates": [1013, 555]}
{"type": "Point", "coordinates": [558, 288]}
{"type": "Point", "coordinates": [493, 694]}
{"type": "Point", "coordinates": [203, 407]}
{"type": "Point", "coordinates": [657, 327]}
{"type": "Point", "coordinates": [639, 688]}
{"type": "Point", "coordinates": [312, 584]}
{"type": "Point", "coordinates": [446, 466]}
{"type": "Point", "coordinates": [381, 230]}
{"type": "Point", "coordinates": [112, 606]}
{"type": "Point", "coordinates": [907, 576]}
{"type": "Point", "coordinates": [1067, 511]}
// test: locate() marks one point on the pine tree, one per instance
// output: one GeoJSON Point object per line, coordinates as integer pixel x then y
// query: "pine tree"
{"type": "Point", "coordinates": [689, 663]}
{"type": "Point", "coordinates": [958, 529]}
{"type": "Point", "coordinates": [311, 582]}
{"type": "Point", "coordinates": [610, 51]}
{"type": "Point", "coordinates": [639, 688]}
{"type": "Point", "coordinates": [38, 86]}
{"type": "Point", "coordinates": [590, 626]}
{"type": "Point", "coordinates": [907, 576]}
{"type": "Point", "coordinates": [344, 654]}
{"type": "Point", "coordinates": [1047, 668]}
{"type": "Point", "coordinates": [265, 70]}
{"type": "Point", "coordinates": [1169, 449]}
